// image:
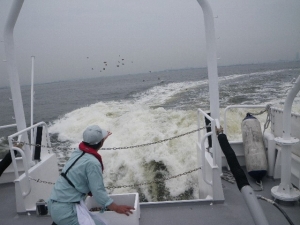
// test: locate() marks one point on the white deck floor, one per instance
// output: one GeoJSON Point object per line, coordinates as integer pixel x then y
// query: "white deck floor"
{"type": "Point", "coordinates": [233, 211]}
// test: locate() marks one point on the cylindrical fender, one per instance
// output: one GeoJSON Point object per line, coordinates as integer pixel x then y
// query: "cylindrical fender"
{"type": "Point", "coordinates": [255, 154]}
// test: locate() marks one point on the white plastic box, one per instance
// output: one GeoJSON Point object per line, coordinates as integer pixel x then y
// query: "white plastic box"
{"type": "Point", "coordinates": [113, 218]}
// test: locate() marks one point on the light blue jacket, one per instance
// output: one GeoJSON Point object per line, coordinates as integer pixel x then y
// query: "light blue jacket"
{"type": "Point", "coordinates": [86, 175]}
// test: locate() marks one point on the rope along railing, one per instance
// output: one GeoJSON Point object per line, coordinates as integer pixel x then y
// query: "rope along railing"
{"type": "Point", "coordinates": [132, 185]}
{"type": "Point", "coordinates": [128, 147]}
{"type": "Point", "coordinates": [118, 148]}
{"type": "Point", "coordinates": [268, 107]}
{"type": "Point", "coordinates": [268, 119]}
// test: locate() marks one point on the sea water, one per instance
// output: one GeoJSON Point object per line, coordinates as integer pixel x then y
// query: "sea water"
{"type": "Point", "coordinates": [143, 109]}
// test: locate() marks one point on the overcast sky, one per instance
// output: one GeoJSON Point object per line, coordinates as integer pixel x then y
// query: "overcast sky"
{"type": "Point", "coordinates": [71, 39]}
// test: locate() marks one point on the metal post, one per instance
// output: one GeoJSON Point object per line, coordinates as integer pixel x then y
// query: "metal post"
{"type": "Point", "coordinates": [32, 100]}
{"type": "Point", "coordinates": [285, 191]}
{"type": "Point", "coordinates": [211, 55]}
{"type": "Point", "coordinates": [13, 72]}
{"type": "Point", "coordinates": [211, 52]}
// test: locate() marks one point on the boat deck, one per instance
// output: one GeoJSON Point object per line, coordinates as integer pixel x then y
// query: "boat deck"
{"type": "Point", "coordinates": [233, 211]}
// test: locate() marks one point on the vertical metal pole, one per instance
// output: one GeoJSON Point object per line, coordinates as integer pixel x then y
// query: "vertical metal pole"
{"type": "Point", "coordinates": [286, 152]}
{"type": "Point", "coordinates": [32, 100]}
{"type": "Point", "coordinates": [211, 54]}
{"type": "Point", "coordinates": [13, 72]}
{"type": "Point", "coordinates": [211, 51]}
{"type": "Point", "coordinates": [285, 191]}
{"type": "Point", "coordinates": [286, 120]}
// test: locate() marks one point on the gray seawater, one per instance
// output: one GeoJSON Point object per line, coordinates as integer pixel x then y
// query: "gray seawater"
{"type": "Point", "coordinates": [258, 83]}
{"type": "Point", "coordinates": [146, 107]}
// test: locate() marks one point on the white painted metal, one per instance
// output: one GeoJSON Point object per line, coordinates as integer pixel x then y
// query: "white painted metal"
{"type": "Point", "coordinates": [285, 191]}
{"type": "Point", "coordinates": [7, 126]}
{"type": "Point", "coordinates": [211, 55]}
{"type": "Point", "coordinates": [24, 193]}
{"type": "Point", "coordinates": [28, 129]}
{"type": "Point", "coordinates": [214, 123]}
{"type": "Point", "coordinates": [20, 134]}
{"type": "Point", "coordinates": [286, 122]}
{"type": "Point", "coordinates": [295, 167]}
{"type": "Point", "coordinates": [45, 170]}
{"type": "Point", "coordinates": [276, 127]}
{"type": "Point", "coordinates": [270, 145]}
{"type": "Point", "coordinates": [211, 52]}
{"type": "Point", "coordinates": [13, 72]}
{"type": "Point", "coordinates": [209, 163]}
{"type": "Point", "coordinates": [32, 100]}
{"type": "Point", "coordinates": [205, 114]}
{"type": "Point", "coordinates": [205, 190]}
{"type": "Point", "coordinates": [203, 152]}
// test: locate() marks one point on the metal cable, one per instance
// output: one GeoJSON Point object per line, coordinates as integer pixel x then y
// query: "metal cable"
{"type": "Point", "coordinates": [131, 185]}
{"type": "Point", "coordinates": [118, 148]}
{"type": "Point", "coordinates": [277, 206]}
{"type": "Point", "coordinates": [135, 146]}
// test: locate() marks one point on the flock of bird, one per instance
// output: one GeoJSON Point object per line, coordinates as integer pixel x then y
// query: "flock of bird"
{"type": "Point", "coordinates": [121, 62]}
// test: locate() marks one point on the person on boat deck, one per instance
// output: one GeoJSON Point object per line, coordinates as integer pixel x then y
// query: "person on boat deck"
{"type": "Point", "coordinates": [82, 174]}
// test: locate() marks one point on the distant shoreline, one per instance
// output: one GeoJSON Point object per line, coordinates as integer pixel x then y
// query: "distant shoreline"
{"type": "Point", "coordinates": [167, 70]}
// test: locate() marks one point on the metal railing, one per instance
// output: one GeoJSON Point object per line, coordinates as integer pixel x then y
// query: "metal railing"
{"type": "Point", "coordinates": [8, 126]}
{"type": "Point", "coordinates": [25, 168]}
{"type": "Point", "coordinates": [26, 162]}
{"type": "Point", "coordinates": [214, 124]}
{"type": "Point", "coordinates": [203, 158]}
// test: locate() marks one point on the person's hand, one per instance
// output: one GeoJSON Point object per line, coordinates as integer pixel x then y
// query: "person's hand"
{"type": "Point", "coordinates": [108, 134]}
{"type": "Point", "coordinates": [122, 209]}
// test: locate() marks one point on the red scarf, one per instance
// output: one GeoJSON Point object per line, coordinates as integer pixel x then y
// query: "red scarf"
{"type": "Point", "coordinates": [91, 151]}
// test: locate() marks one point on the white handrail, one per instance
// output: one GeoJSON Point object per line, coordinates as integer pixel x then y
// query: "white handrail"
{"type": "Point", "coordinates": [12, 69]}
{"type": "Point", "coordinates": [28, 128]}
{"type": "Point", "coordinates": [211, 55]}
{"type": "Point", "coordinates": [213, 123]}
{"type": "Point", "coordinates": [10, 139]}
{"type": "Point", "coordinates": [287, 110]}
{"type": "Point", "coordinates": [25, 167]}
{"type": "Point", "coordinates": [203, 158]}
{"type": "Point", "coordinates": [32, 100]}
{"type": "Point", "coordinates": [12, 148]}
{"type": "Point", "coordinates": [8, 126]}
{"type": "Point", "coordinates": [205, 114]}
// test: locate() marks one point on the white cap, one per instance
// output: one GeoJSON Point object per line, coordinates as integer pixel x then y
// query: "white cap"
{"type": "Point", "coordinates": [94, 134]}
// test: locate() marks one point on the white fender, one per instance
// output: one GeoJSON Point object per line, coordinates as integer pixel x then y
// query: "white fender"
{"type": "Point", "coordinates": [255, 154]}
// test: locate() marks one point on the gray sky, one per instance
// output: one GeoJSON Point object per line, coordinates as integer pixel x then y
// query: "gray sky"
{"type": "Point", "coordinates": [149, 35]}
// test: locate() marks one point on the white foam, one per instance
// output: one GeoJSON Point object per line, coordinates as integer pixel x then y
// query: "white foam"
{"type": "Point", "coordinates": [134, 122]}
{"type": "Point", "coordinates": [160, 94]}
